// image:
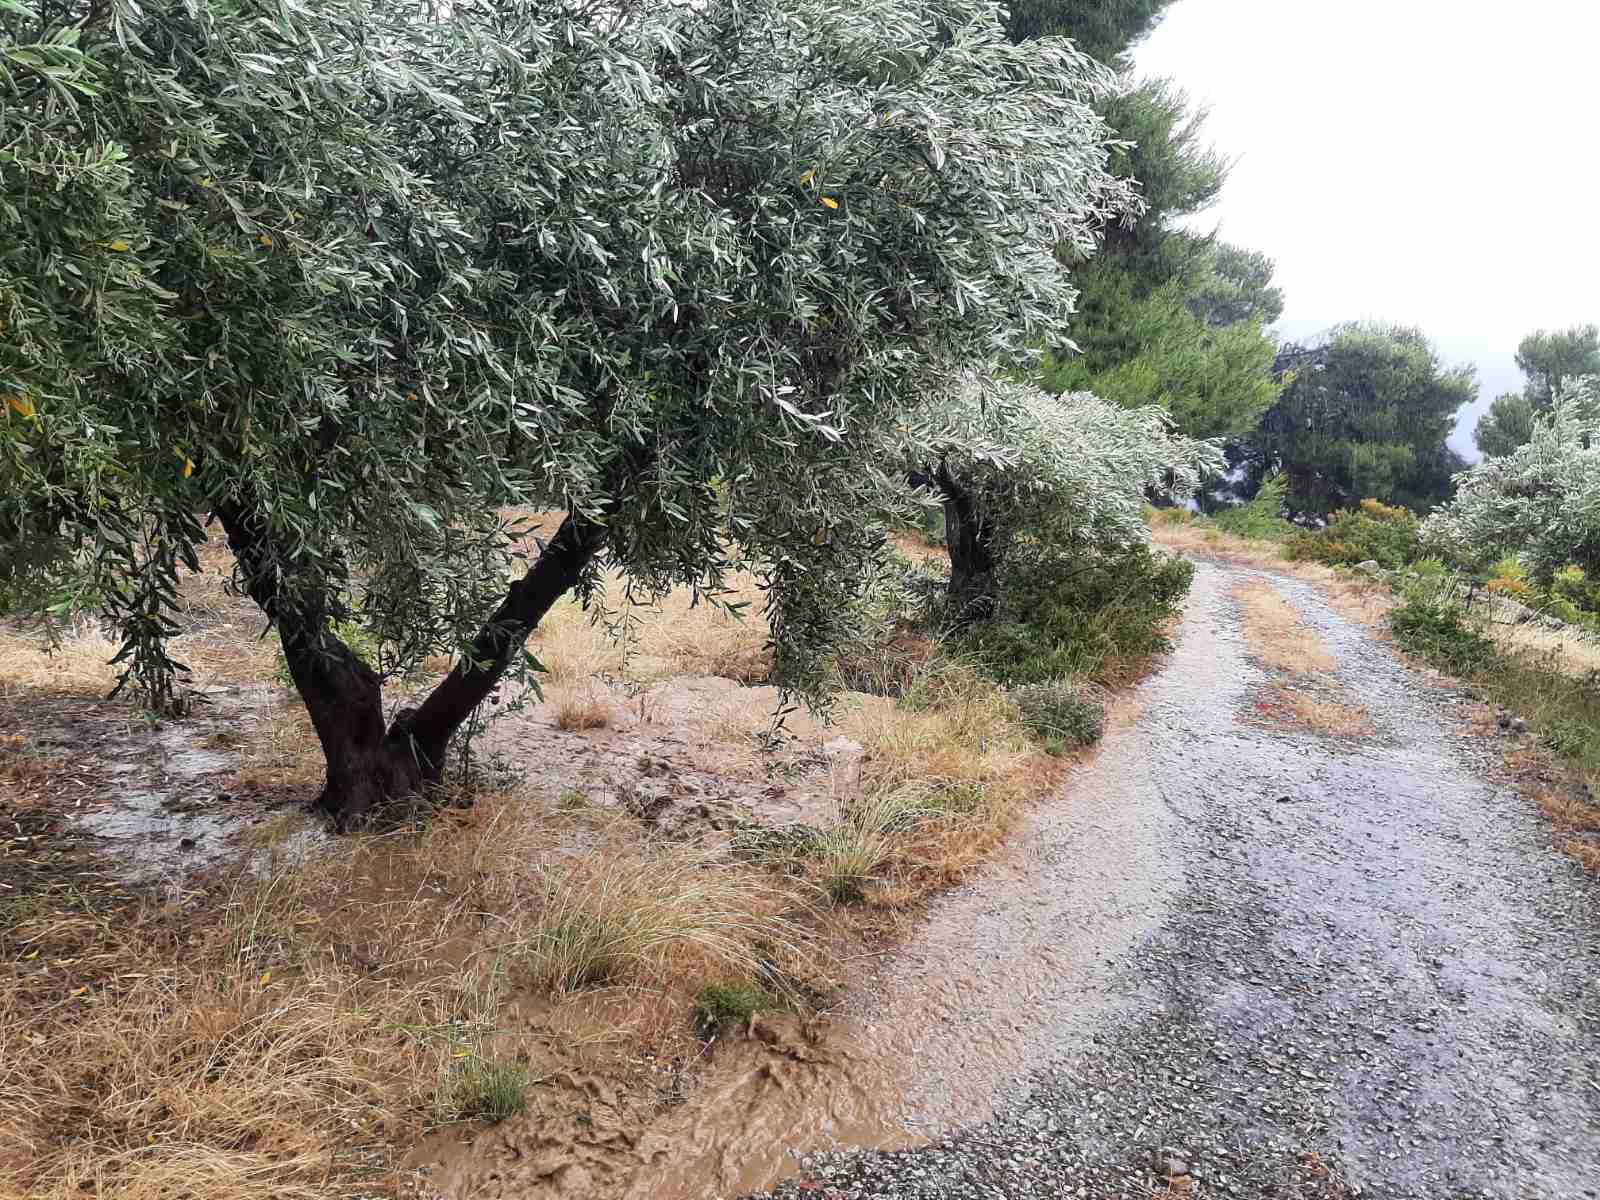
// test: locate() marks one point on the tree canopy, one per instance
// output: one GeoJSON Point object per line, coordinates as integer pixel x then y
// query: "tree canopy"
{"type": "Point", "coordinates": [1104, 29]}
{"type": "Point", "coordinates": [1507, 425]}
{"type": "Point", "coordinates": [351, 278]}
{"type": "Point", "coordinates": [1167, 316]}
{"type": "Point", "coordinates": [1548, 359]}
{"type": "Point", "coordinates": [1541, 501]}
{"type": "Point", "coordinates": [1365, 413]}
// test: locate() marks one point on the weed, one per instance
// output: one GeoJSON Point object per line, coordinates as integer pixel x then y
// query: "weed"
{"type": "Point", "coordinates": [477, 1088]}
{"type": "Point", "coordinates": [720, 1006]}
{"type": "Point", "coordinates": [611, 918]}
{"type": "Point", "coordinates": [1060, 712]}
{"type": "Point", "coordinates": [578, 709]}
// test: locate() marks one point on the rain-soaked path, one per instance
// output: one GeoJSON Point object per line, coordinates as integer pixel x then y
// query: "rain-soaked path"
{"type": "Point", "coordinates": [1233, 959]}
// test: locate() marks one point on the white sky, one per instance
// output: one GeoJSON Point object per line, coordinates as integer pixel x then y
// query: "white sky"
{"type": "Point", "coordinates": [1434, 162]}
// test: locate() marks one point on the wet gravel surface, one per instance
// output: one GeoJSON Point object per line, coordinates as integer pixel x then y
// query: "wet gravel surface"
{"type": "Point", "coordinates": [1372, 975]}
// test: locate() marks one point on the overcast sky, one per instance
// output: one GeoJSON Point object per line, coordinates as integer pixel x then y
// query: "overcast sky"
{"type": "Point", "coordinates": [1426, 161]}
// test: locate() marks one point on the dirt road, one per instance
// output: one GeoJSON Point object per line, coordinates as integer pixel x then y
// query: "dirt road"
{"type": "Point", "coordinates": [1239, 958]}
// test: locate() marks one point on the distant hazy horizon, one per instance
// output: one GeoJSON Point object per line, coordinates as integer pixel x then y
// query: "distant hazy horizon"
{"type": "Point", "coordinates": [1359, 135]}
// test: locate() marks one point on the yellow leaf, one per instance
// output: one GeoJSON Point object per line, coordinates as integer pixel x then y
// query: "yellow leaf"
{"type": "Point", "coordinates": [462, 1054]}
{"type": "Point", "coordinates": [809, 176]}
{"type": "Point", "coordinates": [830, 202]}
{"type": "Point", "coordinates": [266, 240]}
{"type": "Point", "coordinates": [119, 246]}
{"type": "Point", "coordinates": [80, 991]}
{"type": "Point", "coordinates": [22, 403]}
{"type": "Point", "coordinates": [266, 978]}
{"type": "Point", "coordinates": [30, 957]}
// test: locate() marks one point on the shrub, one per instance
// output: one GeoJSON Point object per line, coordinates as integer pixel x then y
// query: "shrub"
{"type": "Point", "coordinates": [1572, 586]}
{"type": "Point", "coordinates": [1060, 713]}
{"type": "Point", "coordinates": [1059, 615]}
{"type": "Point", "coordinates": [1262, 517]}
{"type": "Point", "coordinates": [1437, 632]}
{"type": "Point", "coordinates": [1386, 534]}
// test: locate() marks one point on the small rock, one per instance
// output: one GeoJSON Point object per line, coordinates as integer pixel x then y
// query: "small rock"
{"type": "Point", "coordinates": [1370, 567]}
{"type": "Point", "coordinates": [1518, 725]}
{"type": "Point", "coordinates": [187, 843]}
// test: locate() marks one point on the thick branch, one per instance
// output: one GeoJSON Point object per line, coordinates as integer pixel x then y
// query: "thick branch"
{"type": "Point", "coordinates": [557, 571]}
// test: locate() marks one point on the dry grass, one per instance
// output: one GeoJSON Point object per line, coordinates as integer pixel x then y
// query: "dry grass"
{"type": "Point", "coordinates": [619, 916]}
{"type": "Point", "coordinates": [579, 708]}
{"type": "Point", "coordinates": [957, 728]}
{"type": "Point", "coordinates": [80, 665]}
{"type": "Point", "coordinates": [1277, 635]}
{"type": "Point", "coordinates": [1319, 713]}
{"type": "Point", "coordinates": [288, 1039]}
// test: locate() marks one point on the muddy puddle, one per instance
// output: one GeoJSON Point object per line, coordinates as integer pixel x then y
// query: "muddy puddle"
{"type": "Point", "coordinates": [154, 796]}
{"type": "Point", "coordinates": [1004, 974]}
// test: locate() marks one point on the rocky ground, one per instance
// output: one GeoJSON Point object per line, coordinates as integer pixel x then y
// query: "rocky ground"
{"type": "Point", "coordinates": [1357, 966]}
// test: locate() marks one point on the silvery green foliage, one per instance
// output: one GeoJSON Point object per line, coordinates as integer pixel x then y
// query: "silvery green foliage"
{"type": "Point", "coordinates": [372, 271]}
{"type": "Point", "coordinates": [1541, 501]}
{"type": "Point", "coordinates": [1071, 469]}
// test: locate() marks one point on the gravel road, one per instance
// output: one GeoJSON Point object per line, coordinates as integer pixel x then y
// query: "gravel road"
{"type": "Point", "coordinates": [1317, 967]}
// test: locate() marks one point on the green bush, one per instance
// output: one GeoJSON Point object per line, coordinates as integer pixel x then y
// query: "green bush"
{"type": "Point", "coordinates": [1437, 633]}
{"type": "Point", "coordinates": [1061, 714]}
{"type": "Point", "coordinates": [1261, 518]}
{"type": "Point", "coordinates": [1376, 532]}
{"type": "Point", "coordinates": [1060, 615]}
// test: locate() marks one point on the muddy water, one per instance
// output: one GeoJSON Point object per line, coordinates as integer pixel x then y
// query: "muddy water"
{"type": "Point", "coordinates": [1012, 970]}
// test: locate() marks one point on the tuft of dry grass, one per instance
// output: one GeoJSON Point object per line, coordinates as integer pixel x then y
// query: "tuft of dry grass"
{"type": "Point", "coordinates": [1320, 714]}
{"type": "Point", "coordinates": [580, 708]}
{"type": "Point", "coordinates": [623, 917]}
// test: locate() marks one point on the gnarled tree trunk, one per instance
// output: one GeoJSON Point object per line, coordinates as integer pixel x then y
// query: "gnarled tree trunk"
{"type": "Point", "coordinates": [969, 538]}
{"type": "Point", "coordinates": [368, 763]}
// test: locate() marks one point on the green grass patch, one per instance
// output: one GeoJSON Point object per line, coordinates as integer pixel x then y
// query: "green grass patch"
{"type": "Point", "coordinates": [487, 1089]}
{"type": "Point", "coordinates": [721, 1006]}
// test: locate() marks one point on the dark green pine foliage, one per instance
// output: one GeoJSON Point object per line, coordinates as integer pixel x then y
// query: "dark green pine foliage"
{"type": "Point", "coordinates": [1548, 359]}
{"type": "Point", "coordinates": [1166, 316]}
{"type": "Point", "coordinates": [1366, 413]}
{"type": "Point", "coordinates": [1104, 29]}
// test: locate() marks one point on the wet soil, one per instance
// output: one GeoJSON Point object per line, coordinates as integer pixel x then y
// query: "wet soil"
{"type": "Point", "coordinates": [1231, 958]}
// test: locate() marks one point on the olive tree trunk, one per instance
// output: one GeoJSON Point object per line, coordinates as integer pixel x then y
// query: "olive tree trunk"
{"type": "Point", "coordinates": [969, 537]}
{"type": "Point", "coordinates": [369, 762]}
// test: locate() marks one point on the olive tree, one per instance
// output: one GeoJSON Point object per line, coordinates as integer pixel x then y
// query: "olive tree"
{"type": "Point", "coordinates": [352, 278]}
{"type": "Point", "coordinates": [1541, 501]}
{"type": "Point", "coordinates": [1008, 460]}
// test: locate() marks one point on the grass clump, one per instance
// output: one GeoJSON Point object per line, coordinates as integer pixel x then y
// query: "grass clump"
{"type": "Point", "coordinates": [721, 1006]}
{"type": "Point", "coordinates": [486, 1089]}
{"type": "Point", "coordinates": [619, 917]}
{"type": "Point", "coordinates": [1060, 714]}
